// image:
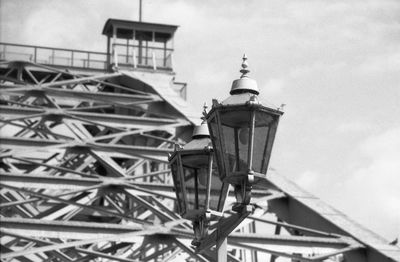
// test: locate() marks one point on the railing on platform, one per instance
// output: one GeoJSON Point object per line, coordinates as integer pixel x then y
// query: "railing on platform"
{"type": "Point", "coordinates": [131, 56]}
{"type": "Point", "coordinates": [151, 58]}
{"type": "Point", "coordinates": [54, 56]}
{"type": "Point", "coordinates": [156, 58]}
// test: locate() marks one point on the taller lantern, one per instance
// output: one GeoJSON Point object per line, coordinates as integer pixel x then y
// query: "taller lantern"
{"type": "Point", "coordinates": [242, 133]}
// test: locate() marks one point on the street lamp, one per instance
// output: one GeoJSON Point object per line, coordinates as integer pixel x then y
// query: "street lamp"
{"type": "Point", "coordinates": [200, 193]}
{"type": "Point", "coordinates": [242, 133]}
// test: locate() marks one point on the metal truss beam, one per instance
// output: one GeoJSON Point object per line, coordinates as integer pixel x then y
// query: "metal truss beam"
{"type": "Point", "coordinates": [83, 175]}
{"type": "Point", "coordinates": [66, 229]}
{"type": "Point", "coordinates": [101, 254]}
{"type": "Point", "coordinates": [157, 154]}
{"type": "Point", "coordinates": [112, 120]}
{"type": "Point", "coordinates": [120, 237]}
{"type": "Point", "coordinates": [292, 241]}
{"type": "Point", "coordinates": [108, 98]}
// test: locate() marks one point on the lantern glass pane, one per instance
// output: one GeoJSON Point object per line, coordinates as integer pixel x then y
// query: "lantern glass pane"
{"type": "Point", "coordinates": [178, 187]}
{"type": "Point", "coordinates": [189, 177]}
{"type": "Point", "coordinates": [235, 129]}
{"type": "Point", "coordinates": [196, 171]}
{"type": "Point", "coordinates": [201, 175]}
{"type": "Point", "coordinates": [216, 144]}
{"type": "Point", "coordinates": [216, 186]}
{"type": "Point", "coordinates": [262, 136]}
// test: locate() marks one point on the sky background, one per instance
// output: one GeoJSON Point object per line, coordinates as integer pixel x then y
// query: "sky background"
{"type": "Point", "coordinates": [335, 64]}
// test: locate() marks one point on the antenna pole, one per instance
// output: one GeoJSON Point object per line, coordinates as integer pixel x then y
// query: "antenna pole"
{"type": "Point", "coordinates": [140, 10]}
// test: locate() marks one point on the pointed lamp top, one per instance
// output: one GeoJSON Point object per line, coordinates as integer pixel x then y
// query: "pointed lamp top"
{"type": "Point", "coordinates": [244, 84]}
{"type": "Point", "coordinates": [244, 69]}
{"type": "Point", "coordinates": [201, 131]}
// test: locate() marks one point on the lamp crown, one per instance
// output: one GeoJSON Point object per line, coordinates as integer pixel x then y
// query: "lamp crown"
{"type": "Point", "coordinates": [244, 84]}
{"type": "Point", "coordinates": [201, 131]}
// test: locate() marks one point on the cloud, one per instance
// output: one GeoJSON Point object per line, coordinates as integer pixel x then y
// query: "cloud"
{"type": "Point", "coordinates": [354, 127]}
{"type": "Point", "coordinates": [273, 86]}
{"type": "Point", "coordinates": [375, 187]}
{"type": "Point", "coordinates": [370, 194]}
{"type": "Point", "coordinates": [316, 68]}
{"type": "Point", "coordinates": [383, 63]}
{"type": "Point", "coordinates": [309, 180]}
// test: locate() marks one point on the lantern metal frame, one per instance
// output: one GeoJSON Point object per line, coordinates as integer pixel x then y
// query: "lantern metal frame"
{"type": "Point", "coordinates": [199, 149]}
{"type": "Point", "coordinates": [242, 117]}
{"type": "Point", "coordinates": [252, 105]}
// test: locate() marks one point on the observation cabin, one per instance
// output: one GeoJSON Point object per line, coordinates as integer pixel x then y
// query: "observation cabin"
{"type": "Point", "coordinates": [139, 45]}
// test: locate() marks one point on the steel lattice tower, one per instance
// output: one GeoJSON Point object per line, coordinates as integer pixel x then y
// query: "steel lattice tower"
{"type": "Point", "coordinates": [84, 174]}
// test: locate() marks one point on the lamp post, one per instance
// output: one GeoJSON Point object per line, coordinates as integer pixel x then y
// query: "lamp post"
{"type": "Point", "coordinates": [241, 132]}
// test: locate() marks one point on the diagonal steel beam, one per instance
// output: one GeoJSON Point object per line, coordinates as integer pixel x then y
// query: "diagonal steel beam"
{"type": "Point", "coordinates": [109, 119]}
{"type": "Point", "coordinates": [35, 199]}
{"type": "Point", "coordinates": [293, 241]}
{"type": "Point", "coordinates": [57, 199]}
{"type": "Point", "coordinates": [294, 257]}
{"type": "Point", "coordinates": [5, 249]}
{"type": "Point", "coordinates": [40, 242]}
{"type": "Point", "coordinates": [101, 254]}
{"type": "Point", "coordinates": [305, 230]}
{"type": "Point", "coordinates": [76, 80]}
{"type": "Point", "coordinates": [190, 250]}
{"type": "Point", "coordinates": [156, 254]}
{"type": "Point", "coordinates": [115, 237]}
{"type": "Point", "coordinates": [105, 250]}
{"type": "Point", "coordinates": [53, 182]}
{"type": "Point", "coordinates": [155, 209]}
{"type": "Point", "coordinates": [59, 168]}
{"type": "Point", "coordinates": [157, 154]}
{"type": "Point", "coordinates": [103, 97]}
{"type": "Point", "coordinates": [65, 229]}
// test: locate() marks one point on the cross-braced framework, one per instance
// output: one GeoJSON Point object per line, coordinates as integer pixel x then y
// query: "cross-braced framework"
{"type": "Point", "coordinates": [84, 177]}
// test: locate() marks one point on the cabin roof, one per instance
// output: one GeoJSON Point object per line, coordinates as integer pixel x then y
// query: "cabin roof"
{"type": "Point", "coordinates": [126, 29]}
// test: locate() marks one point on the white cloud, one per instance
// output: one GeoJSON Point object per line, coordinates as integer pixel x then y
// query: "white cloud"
{"type": "Point", "coordinates": [370, 194]}
{"type": "Point", "coordinates": [354, 127]}
{"type": "Point", "coordinates": [375, 187]}
{"type": "Point", "coordinates": [273, 86]}
{"type": "Point", "coordinates": [383, 63]}
{"type": "Point", "coordinates": [309, 180]}
{"type": "Point", "coordinates": [315, 68]}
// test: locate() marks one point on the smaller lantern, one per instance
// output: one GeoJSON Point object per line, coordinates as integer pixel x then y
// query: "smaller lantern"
{"type": "Point", "coordinates": [242, 132]}
{"type": "Point", "coordinates": [200, 193]}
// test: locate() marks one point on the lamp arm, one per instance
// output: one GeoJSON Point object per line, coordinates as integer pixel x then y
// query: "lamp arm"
{"type": "Point", "coordinates": [225, 227]}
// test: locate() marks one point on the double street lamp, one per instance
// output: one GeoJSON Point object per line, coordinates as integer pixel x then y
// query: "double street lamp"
{"type": "Point", "coordinates": [235, 152]}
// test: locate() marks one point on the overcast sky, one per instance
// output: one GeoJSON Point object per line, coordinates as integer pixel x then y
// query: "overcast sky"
{"type": "Point", "coordinates": [336, 64]}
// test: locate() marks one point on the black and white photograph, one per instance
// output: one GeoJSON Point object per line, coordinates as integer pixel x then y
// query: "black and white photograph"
{"type": "Point", "coordinates": [199, 131]}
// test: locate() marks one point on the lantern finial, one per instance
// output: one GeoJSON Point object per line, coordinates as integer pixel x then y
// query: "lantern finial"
{"type": "Point", "coordinates": [245, 84]}
{"type": "Point", "coordinates": [244, 69]}
{"type": "Point", "coordinates": [205, 106]}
